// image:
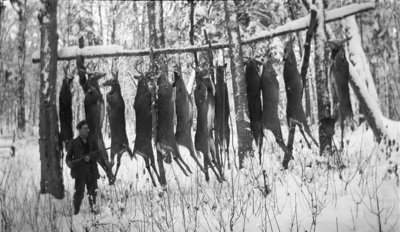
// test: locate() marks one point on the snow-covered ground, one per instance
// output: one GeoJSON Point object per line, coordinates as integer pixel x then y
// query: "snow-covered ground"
{"type": "Point", "coordinates": [310, 197]}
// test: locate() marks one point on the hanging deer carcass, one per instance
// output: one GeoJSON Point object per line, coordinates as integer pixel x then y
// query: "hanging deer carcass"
{"type": "Point", "coordinates": [339, 79]}
{"type": "Point", "coordinates": [294, 109]}
{"type": "Point", "coordinates": [94, 112]}
{"type": "Point", "coordinates": [116, 117]}
{"type": "Point", "coordinates": [222, 130]}
{"type": "Point", "coordinates": [184, 117]}
{"type": "Point", "coordinates": [270, 93]}
{"type": "Point", "coordinates": [253, 88]}
{"type": "Point", "coordinates": [65, 109]}
{"type": "Point", "coordinates": [166, 143]}
{"type": "Point", "coordinates": [205, 104]}
{"type": "Point", "coordinates": [142, 106]}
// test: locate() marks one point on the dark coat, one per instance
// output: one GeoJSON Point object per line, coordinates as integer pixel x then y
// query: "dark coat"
{"type": "Point", "coordinates": [81, 168]}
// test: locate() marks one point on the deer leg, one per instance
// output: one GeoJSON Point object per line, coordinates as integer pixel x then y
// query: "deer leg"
{"type": "Point", "coordinates": [112, 157]}
{"type": "Point", "coordinates": [282, 144]}
{"type": "Point", "coordinates": [178, 158]}
{"type": "Point", "coordinates": [147, 160]}
{"type": "Point", "coordinates": [130, 153]}
{"type": "Point", "coordinates": [279, 139]}
{"type": "Point", "coordinates": [218, 153]}
{"type": "Point", "coordinates": [342, 133]}
{"type": "Point", "coordinates": [188, 143]}
{"type": "Point", "coordinates": [226, 152]}
{"type": "Point", "coordinates": [103, 160]}
{"type": "Point", "coordinates": [260, 149]}
{"type": "Point", "coordinates": [288, 154]}
{"type": "Point", "coordinates": [107, 170]}
{"type": "Point", "coordinates": [178, 161]}
{"type": "Point", "coordinates": [307, 129]}
{"type": "Point", "coordinates": [193, 155]}
{"type": "Point", "coordinates": [206, 165]}
{"type": "Point", "coordinates": [304, 136]}
{"type": "Point", "coordinates": [153, 165]}
{"type": "Point", "coordinates": [215, 159]}
{"type": "Point", "coordinates": [119, 155]}
{"type": "Point", "coordinates": [161, 177]}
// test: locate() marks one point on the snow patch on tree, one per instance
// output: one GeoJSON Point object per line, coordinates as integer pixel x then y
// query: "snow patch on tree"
{"type": "Point", "coordinates": [357, 56]}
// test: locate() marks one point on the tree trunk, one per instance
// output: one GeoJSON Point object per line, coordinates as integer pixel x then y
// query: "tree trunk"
{"type": "Point", "coordinates": [161, 34]}
{"type": "Point", "coordinates": [160, 24]}
{"type": "Point", "coordinates": [306, 61]}
{"type": "Point", "coordinates": [151, 8]}
{"type": "Point", "coordinates": [2, 79]}
{"type": "Point", "coordinates": [153, 44]}
{"type": "Point", "coordinates": [155, 59]}
{"type": "Point", "coordinates": [239, 89]}
{"type": "Point", "coordinates": [114, 61]}
{"type": "Point", "coordinates": [360, 80]}
{"type": "Point", "coordinates": [324, 106]}
{"type": "Point", "coordinates": [101, 25]}
{"type": "Point", "coordinates": [386, 131]}
{"type": "Point", "coordinates": [35, 106]}
{"type": "Point", "coordinates": [21, 64]}
{"type": "Point", "coordinates": [51, 170]}
{"type": "Point", "coordinates": [2, 7]}
{"type": "Point", "coordinates": [293, 17]}
{"type": "Point", "coordinates": [191, 32]}
{"type": "Point", "coordinates": [143, 41]}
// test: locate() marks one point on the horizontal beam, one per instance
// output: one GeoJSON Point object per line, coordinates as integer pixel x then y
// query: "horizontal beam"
{"type": "Point", "coordinates": [70, 53]}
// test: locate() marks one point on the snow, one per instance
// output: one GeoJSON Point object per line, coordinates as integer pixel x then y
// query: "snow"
{"type": "Point", "coordinates": [313, 7]}
{"type": "Point", "coordinates": [45, 72]}
{"type": "Point", "coordinates": [189, 85]}
{"type": "Point", "coordinates": [348, 10]}
{"type": "Point", "coordinates": [375, 108]}
{"type": "Point", "coordinates": [89, 51]}
{"type": "Point", "coordinates": [338, 200]}
{"type": "Point", "coordinates": [358, 57]}
{"type": "Point", "coordinates": [362, 82]}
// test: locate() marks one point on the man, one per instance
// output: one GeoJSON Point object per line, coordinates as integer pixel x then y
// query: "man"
{"type": "Point", "coordinates": [81, 159]}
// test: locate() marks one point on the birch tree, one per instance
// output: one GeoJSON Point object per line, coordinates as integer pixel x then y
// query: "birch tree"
{"type": "Point", "coordinates": [239, 89]}
{"type": "Point", "coordinates": [153, 44]}
{"type": "Point", "coordinates": [386, 131]}
{"type": "Point", "coordinates": [324, 105]}
{"type": "Point", "coordinates": [20, 8]}
{"type": "Point", "coordinates": [2, 7]}
{"type": "Point", "coordinates": [305, 63]}
{"type": "Point", "coordinates": [51, 180]}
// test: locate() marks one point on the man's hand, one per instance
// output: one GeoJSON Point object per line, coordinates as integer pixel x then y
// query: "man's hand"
{"type": "Point", "coordinates": [69, 164]}
{"type": "Point", "coordinates": [87, 158]}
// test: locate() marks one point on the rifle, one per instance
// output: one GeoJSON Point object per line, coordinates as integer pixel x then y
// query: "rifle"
{"type": "Point", "coordinates": [90, 155]}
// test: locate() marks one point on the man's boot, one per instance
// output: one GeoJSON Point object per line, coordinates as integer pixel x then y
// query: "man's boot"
{"type": "Point", "coordinates": [92, 203]}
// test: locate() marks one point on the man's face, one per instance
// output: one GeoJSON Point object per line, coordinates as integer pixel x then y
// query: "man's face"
{"type": "Point", "coordinates": [84, 131]}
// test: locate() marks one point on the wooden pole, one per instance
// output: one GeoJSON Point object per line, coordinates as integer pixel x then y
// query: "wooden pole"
{"type": "Point", "coordinates": [303, 23]}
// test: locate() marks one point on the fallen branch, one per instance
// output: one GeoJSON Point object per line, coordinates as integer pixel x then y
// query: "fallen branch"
{"type": "Point", "coordinates": [70, 53]}
{"type": "Point", "coordinates": [385, 130]}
